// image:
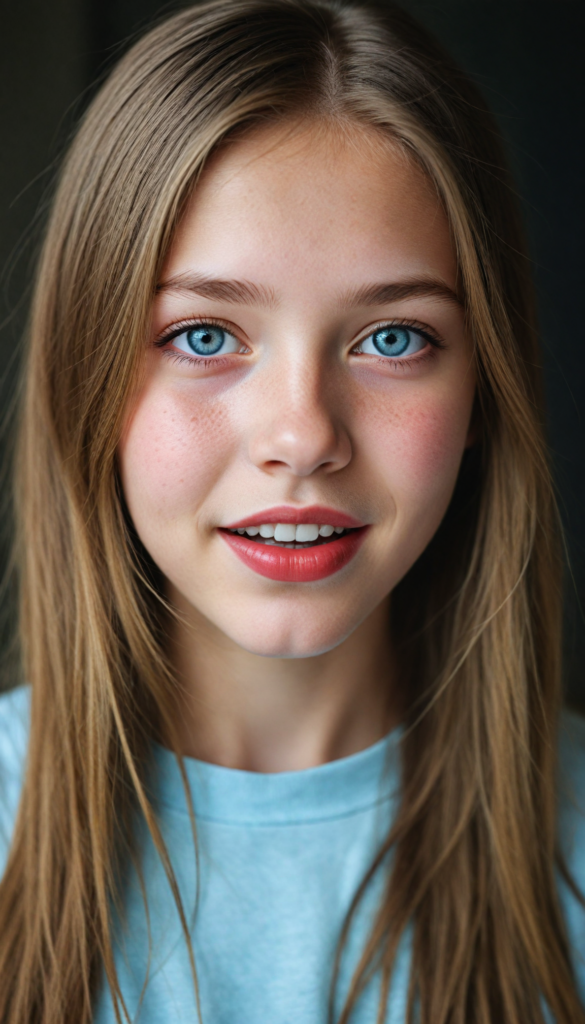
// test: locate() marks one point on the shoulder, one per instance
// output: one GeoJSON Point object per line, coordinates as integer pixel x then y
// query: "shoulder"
{"type": "Point", "coordinates": [14, 728]}
{"type": "Point", "coordinates": [571, 825]}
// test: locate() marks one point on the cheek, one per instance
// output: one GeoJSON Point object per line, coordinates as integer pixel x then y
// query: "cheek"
{"type": "Point", "coordinates": [172, 451]}
{"type": "Point", "coordinates": [419, 445]}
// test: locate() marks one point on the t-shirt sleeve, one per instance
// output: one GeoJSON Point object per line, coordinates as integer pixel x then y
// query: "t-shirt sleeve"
{"type": "Point", "coordinates": [572, 834]}
{"type": "Point", "coordinates": [14, 729]}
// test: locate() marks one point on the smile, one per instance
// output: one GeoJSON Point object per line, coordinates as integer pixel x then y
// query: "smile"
{"type": "Point", "coordinates": [285, 545]}
{"type": "Point", "coordinates": [289, 535]}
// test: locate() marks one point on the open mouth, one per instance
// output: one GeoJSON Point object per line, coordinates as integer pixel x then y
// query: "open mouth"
{"type": "Point", "coordinates": [293, 536]}
{"type": "Point", "coordinates": [294, 552]}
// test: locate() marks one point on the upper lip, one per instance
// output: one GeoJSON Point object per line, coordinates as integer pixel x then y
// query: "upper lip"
{"type": "Point", "coordinates": [321, 515]}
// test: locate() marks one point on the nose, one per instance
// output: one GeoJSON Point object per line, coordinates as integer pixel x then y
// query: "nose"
{"type": "Point", "coordinates": [298, 424]}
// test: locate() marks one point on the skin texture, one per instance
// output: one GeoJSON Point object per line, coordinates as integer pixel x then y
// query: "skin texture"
{"type": "Point", "coordinates": [285, 675]}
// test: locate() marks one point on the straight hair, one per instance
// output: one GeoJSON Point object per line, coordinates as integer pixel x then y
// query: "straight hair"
{"type": "Point", "coordinates": [476, 621]}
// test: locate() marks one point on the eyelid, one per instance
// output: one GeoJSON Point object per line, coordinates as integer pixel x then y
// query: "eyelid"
{"type": "Point", "coordinates": [425, 330]}
{"type": "Point", "coordinates": [179, 327]}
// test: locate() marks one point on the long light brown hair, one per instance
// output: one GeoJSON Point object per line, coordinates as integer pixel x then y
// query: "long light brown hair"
{"type": "Point", "coordinates": [477, 619]}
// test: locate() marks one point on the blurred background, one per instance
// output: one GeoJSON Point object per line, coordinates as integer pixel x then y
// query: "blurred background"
{"type": "Point", "coordinates": [527, 58]}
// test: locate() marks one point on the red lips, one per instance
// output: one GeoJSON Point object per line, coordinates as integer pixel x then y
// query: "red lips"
{"type": "Point", "coordinates": [289, 514]}
{"type": "Point", "coordinates": [297, 565]}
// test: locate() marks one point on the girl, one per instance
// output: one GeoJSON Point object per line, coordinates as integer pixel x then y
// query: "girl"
{"type": "Point", "coordinates": [289, 562]}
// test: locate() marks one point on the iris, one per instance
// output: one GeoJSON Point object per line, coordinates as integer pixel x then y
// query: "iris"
{"type": "Point", "coordinates": [206, 340]}
{"type": "Point", "coordinates": [391, 341]}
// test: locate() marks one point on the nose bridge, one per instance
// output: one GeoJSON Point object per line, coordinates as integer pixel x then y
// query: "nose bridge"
{"type": "Point", "coordinates": [298, 424]}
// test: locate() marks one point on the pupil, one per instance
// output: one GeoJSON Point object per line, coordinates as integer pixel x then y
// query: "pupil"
{"type": "Point", "coordinates": [392, 341]}
{"type": "Point", "coordinates": [205, 340]}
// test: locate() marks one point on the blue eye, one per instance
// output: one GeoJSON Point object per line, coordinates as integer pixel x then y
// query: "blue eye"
{"type": "Point", "coordinates": [206, 340]}
{"type": "Point", "coordinates": [393, 342]}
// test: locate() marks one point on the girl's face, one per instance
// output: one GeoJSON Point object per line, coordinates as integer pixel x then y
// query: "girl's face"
{"type": "Point", "coordinates": [308, 364]}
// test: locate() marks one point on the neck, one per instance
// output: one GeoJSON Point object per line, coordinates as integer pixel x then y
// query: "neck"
{"type": "Point", "coordinates": [262, 714]}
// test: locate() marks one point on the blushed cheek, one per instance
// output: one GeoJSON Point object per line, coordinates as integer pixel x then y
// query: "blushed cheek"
{"type": "Point", "coordinates": [421, 444]}
{"type": "Point", "coordinates": [171, 454]}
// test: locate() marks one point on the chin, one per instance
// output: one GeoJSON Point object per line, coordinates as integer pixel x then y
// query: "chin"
{"type": "Point", "coordinates": [279, 640]}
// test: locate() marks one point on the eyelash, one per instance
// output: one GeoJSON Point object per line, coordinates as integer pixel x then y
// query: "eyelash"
{"type": "Point", "coordinates": [426, 332]}
{"type": "Point", "coordinates": [185, 325]}
{"type": "Point", "coordinates": [432, 337]}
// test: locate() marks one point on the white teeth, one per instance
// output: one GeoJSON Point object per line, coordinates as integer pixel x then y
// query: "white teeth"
{"type": "Point", "coordinates": [285, 532]}
{"type": "Point", "coordinates": [306, 532]}
{"type": "Point", "coordinates": [289, 533]}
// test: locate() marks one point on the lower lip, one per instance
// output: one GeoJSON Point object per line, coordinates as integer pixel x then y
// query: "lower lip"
{"type": "Point", "coordinates": [300, 565]}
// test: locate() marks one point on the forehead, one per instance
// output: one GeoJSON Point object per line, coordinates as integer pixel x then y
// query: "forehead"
{"type": "Point", "coordinates": [317, 206]}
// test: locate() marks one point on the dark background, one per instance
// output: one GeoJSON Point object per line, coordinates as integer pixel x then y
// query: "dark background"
{"type": "Point", "coordinates": [526, 56]}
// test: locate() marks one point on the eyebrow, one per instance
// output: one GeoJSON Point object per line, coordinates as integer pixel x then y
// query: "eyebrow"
{"type": "Point", "coordinates": [247, 293]}
{"type": "Point", "coordinates": [381, 294]}
{"type": "Point", "coordinates": [215, 288]}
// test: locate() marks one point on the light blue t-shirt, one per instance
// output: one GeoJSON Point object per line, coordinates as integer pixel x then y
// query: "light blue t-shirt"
{"type": "Point", "coordinates": [280, 858]}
